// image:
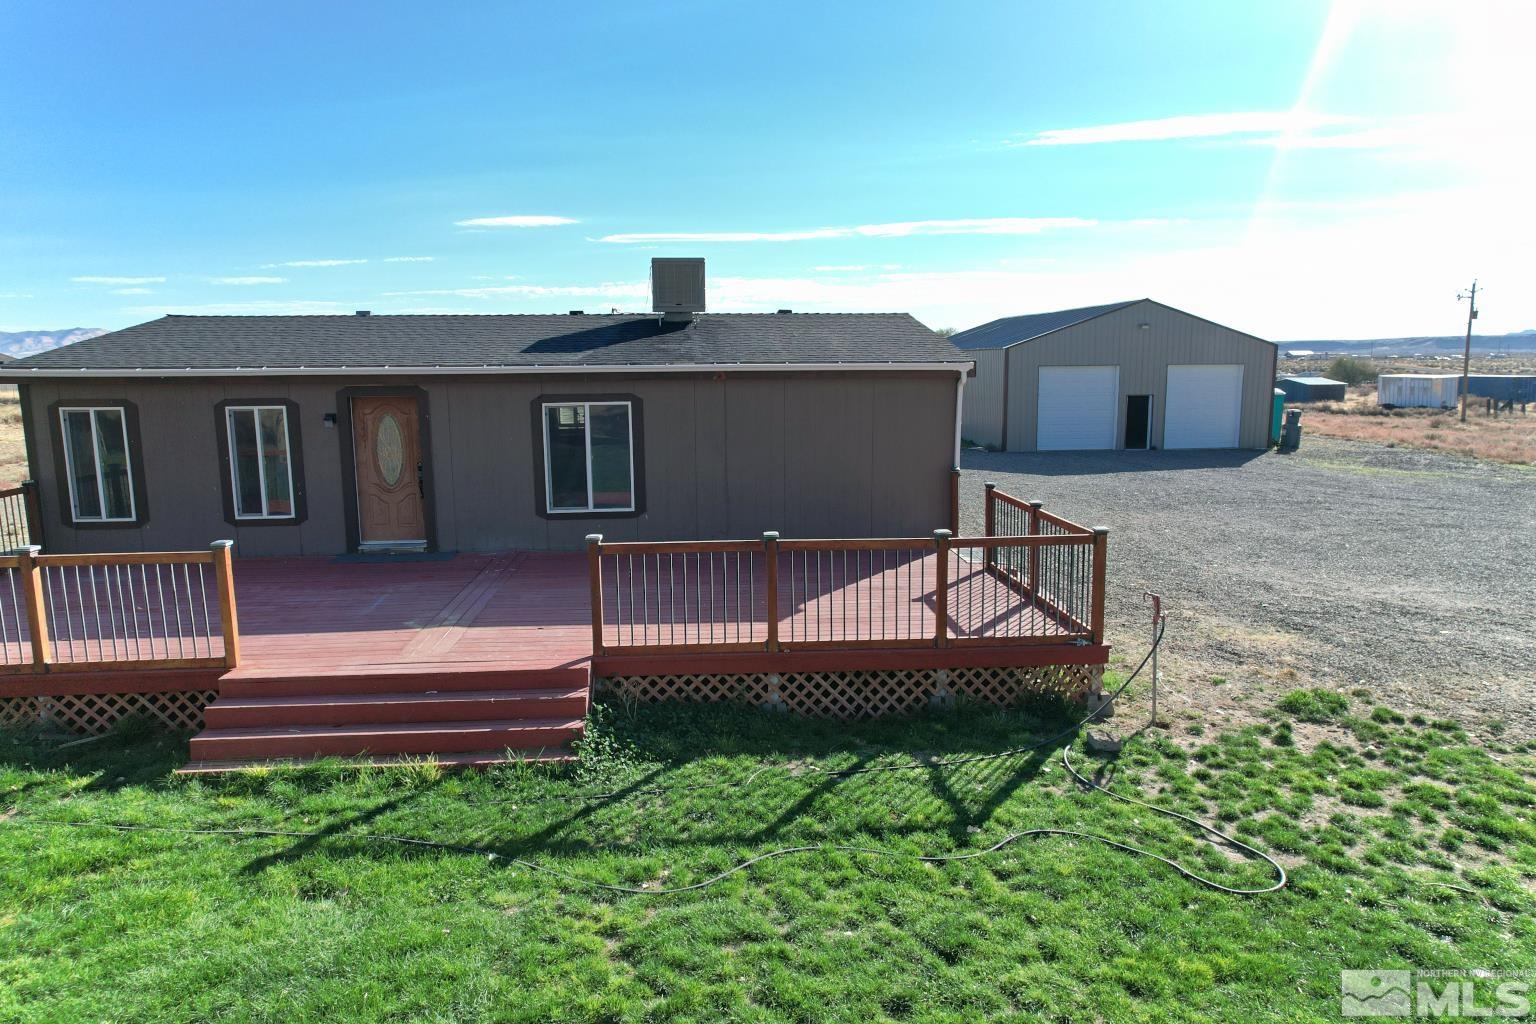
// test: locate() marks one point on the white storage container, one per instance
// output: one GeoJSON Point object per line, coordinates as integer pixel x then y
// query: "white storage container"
{"type": "Point", "coordinates": [1418, 390]}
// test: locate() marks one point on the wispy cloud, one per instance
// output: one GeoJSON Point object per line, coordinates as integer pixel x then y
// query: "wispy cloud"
{"type": "Point", "coordinates": [132, 291]}
{"type": "Point", "coordinates": [248, 280]}
{"type": "Point", "coordinates": [14, 295]}
{"type": "Point", "coordinates": [514, 221]}
{"type": "Point", "coordinates": [894, 229]}
{"type": "Point", "coordinates": [95, 279]}
{"type": "Point", "coordinates": [313, 263]}
{"type": "Point", "coordinates": [409, 259]}
{"type": "Point", "coordinates": [1276, 125]}
{"type": "Point", "coordinates": [606, 290]}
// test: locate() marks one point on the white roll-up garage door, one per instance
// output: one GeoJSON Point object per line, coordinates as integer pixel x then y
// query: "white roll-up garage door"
{"type": "Point", "coordinates": [1077, 406]}
{"type": "Point", "coordinates": [1204, 406]}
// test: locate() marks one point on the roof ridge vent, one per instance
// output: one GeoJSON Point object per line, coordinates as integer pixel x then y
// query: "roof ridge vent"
{"type": "Point", "coordinates": [677, 288]}
{"type": "Point", "coordinates": [363, 312]}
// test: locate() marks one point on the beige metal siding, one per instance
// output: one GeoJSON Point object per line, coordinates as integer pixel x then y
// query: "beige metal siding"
{"type": "Point", "coordinates": [982, 416]}
{"type": "Point", "coordinates": [809, 455]}
{"type": "Point", "coordinates": [1143, 355]}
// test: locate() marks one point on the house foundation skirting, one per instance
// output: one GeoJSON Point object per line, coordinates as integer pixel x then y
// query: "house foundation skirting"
{"type": "Point", "coordinates": [95, 713]}
{"type": "Point", "coordinates": [850, 694]}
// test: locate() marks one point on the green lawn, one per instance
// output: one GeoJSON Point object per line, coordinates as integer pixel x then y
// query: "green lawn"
{"type": "Point", "coordinates": [1408, 845]}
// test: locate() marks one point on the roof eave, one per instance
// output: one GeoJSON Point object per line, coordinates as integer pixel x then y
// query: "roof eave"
{"type": "Point", "coordinates": [49, 372]}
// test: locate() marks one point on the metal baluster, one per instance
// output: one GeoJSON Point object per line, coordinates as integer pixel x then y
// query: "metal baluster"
{"type": "Point", "coordinates": [165, 619]}
{"type": "Point", "coordinates": [85, 629]}
{"type": "Point", "coordinates": [149, 614]}
{"type": "Point", "coordinates": [202, 586]}
{"type": "Point", "coordinates": [130, 608]}
{"type": "Point", "coordinates": [106, 580]}
{"type": "Point", "coordinates": [181, 633]}
{"type": "Point", "coordinates": [5, 632]}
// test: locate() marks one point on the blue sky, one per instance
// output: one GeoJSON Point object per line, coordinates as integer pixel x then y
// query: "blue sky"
{"type": "Point", "coordinates": [1298, 169]}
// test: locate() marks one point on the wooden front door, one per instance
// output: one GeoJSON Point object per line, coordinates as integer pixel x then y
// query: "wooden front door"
{"type": "Point", "coordinates": [386, 445]}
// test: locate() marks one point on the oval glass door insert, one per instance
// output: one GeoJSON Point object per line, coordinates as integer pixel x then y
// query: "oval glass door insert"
{"type": "Point", "coordinates": [389, 449]}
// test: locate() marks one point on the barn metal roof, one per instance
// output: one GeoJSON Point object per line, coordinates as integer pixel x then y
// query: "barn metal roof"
{"type": "Point", "coordinates": [1013, 329]}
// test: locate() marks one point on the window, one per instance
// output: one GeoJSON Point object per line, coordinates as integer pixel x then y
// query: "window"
{"type": "Point", "coordinates": [589, 463]}
{"type": "Point", "coordinates": [261, 470]}
{"type": "Point", "coordinates": [96, 464]}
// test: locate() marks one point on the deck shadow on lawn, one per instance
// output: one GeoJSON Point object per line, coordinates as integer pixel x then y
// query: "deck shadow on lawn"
{"type": "Point", "coordinates": [1093, 463]}
{"type": "Point", "coordinates": [134, 754]}
{"type": "Point", "coordinates": [735, 806]}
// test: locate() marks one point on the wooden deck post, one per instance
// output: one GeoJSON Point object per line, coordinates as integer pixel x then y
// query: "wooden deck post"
{"type": "Point", "coordinates": [1032, 528]}
{"type": "Point", "coordinates": [229, 618]}
{"type": "Point", "coordinates": [34, 508]}
{"type": "Point", "coordinates": [989, 516]}
{"type": "Point", "coordinates": [37, 621]}
{"type": "Point", "coordinates": [1100, 560]}
{"type": "Point", "coordinates": [595, 582]}
{"type": "Point", "coordinates": [941, 590]}
{"type": "Point", "coordinates": [771, 574]}
{"type": "Point", "coordinates": [954, 501]}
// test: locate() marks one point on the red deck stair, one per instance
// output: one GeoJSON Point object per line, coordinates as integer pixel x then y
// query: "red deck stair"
{"type": "Point", "coordinates": [458, 714]}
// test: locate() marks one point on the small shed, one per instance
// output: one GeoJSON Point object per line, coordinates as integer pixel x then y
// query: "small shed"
{"type": "Point", "coordinates": [1312, 389]}
{"type": "Point", "coordinates": [1503, 387]}
{"type": "Point", "coordinates": [1418, 390]}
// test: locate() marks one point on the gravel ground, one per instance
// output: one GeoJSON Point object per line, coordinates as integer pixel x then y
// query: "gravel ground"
{"type": "Point", "coordinates": [1409, 574]}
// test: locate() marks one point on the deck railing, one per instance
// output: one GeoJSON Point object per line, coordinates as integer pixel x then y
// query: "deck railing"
{"type": "Point", "coordinates": [21, 520]}
{"type": "Point", "coordinates": [1041, 581]}
{"type": "Point", "coordinates": [98, 612]}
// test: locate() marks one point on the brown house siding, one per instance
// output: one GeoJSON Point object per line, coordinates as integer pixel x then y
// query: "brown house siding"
{"type": "Point", "coordinates": [850, 454]}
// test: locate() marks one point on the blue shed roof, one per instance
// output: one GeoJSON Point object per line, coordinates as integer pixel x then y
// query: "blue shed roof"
{"type": "Point", "coordinates": [1312, 381]}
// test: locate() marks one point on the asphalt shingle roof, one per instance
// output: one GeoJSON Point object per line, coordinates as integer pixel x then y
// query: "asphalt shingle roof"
{"type": "Point", "coordinates": [1013, 329]}
{"type": "Point", "coordinates": [525, 340]}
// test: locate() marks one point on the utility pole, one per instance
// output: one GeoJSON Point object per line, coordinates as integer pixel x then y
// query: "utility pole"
{"type": "Point", "coordinates": [1466, 354]}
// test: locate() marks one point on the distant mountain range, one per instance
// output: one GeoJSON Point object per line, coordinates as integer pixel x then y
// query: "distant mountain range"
{"type": "Point", "coordinates": [17, 344]}
{"type": "Point", "coordinates": [1449, 344]}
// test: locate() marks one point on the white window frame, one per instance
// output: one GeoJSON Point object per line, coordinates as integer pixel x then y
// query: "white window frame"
{"type": "Point", "coordinates": [261, 463]}
{"type": "Point", "coordinates": [101, 483]}
{"type": "Point", "coordinates": [549, 488]}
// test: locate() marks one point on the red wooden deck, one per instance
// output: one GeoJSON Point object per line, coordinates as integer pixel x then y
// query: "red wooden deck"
{"type": "Point", "coordinates": [531, 611]}
{"type": "Point", "coordinates": [322, 616]}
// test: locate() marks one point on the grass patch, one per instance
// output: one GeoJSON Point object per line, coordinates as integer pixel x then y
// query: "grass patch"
{"type": "Point", "coordinates": [97, 924]}
{"type": "Point", "coordinates": [1314, 705]}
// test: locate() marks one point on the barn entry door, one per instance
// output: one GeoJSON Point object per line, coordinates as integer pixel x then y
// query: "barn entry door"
{"type": "Point", "coordinates": [386, 445]}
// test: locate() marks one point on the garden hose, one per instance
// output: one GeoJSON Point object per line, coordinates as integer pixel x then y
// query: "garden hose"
{"type": "Point", "coordinates": [434, 844]}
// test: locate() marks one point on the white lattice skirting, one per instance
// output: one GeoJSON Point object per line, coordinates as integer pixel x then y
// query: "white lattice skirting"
{"type": "Point", "coordinates": [866, 694]}
{"type": "Point", "coordinates": [94, 713]}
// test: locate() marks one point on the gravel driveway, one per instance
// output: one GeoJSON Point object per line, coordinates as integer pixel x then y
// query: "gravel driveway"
{"type": "Point", "coordinates": [1410, 574]}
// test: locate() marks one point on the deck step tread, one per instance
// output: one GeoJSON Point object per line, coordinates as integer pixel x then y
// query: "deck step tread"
{"type": "Point", "coordinates": [425, 696]}
{"type": "Point", "coordinates": [370, 670]}
{"type": "Point", "coordinates": [420, 678]}
{"type": "Point", "coordinates": [468, 759]}
{"type": "Point", "coordinates": [500, 725]}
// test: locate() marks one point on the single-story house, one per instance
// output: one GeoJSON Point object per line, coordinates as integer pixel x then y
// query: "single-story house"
{"type": "Point", "coordinates": [333, 434]}
{"type": "Point", "coordinates": [1312, 389]}
{"type": "Point", "coordinates": [1134, 374]}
